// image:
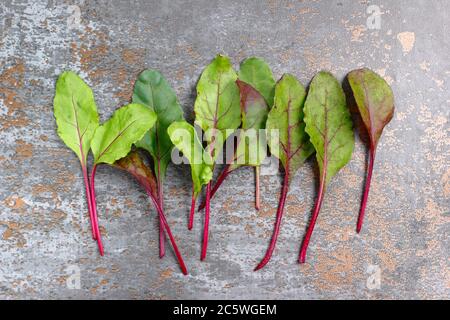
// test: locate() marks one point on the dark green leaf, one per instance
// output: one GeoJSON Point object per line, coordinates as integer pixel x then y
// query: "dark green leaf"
{"type": "Point", "coordinates": [152, 90]}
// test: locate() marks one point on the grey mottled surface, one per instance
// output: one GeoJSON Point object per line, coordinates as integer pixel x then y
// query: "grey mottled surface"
{"type": "Point", "coordinates": [44, 231]}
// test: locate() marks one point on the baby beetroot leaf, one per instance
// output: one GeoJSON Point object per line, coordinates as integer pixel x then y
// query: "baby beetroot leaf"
{"type": "Point", "coordinates": [152, 90]}
{"type": "Point", "coordinates": [113, 140]}
{"type": "Point", "coordinates": [185, 139]}
{"type": "Point", "coordinates": [256, 87]}
{"type": "Point", "coordinates": [330, 128]}
{"type": "Point", "coordinates": [375, 102]}
{"type": "Point", "coordinates": [256, 72]}
{"type": "Point", "coordinates": [251, 147]}
{"type": "Point", "coordinates": [217, 112]}
{"type": "Point", "coordinates": [76, 117]}
{"type": "Point", "coordinates": [293, 147]}
{"type": "Point", "coordinates": [134, 165]}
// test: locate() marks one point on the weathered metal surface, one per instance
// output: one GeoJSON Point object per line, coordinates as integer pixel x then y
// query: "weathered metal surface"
{"type": "Point", "coordinates": [44, 231]}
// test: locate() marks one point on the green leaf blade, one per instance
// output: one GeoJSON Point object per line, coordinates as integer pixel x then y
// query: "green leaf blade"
{"type": "Point", "coordinates": [217, 105]}
{"type": "Point", "coordinates": [329, 125]}
{"type": "Point", "coordinates": [286, 116]}
{"type": "Point", "coordinates": [256, 72]}
{"type": "Point", "coordinates": [113, 140]}
{"type": "Point", "coordinates": [75, 113]}
{"type": "Point", "coordinates": [153, 90]}
{"type": "Point", "coordinates": [185, 139]}
{"type": "Point", "coordinates": [375, 101]}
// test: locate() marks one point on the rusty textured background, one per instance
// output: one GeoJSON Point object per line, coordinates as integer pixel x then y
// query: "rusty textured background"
{"type": "Point", "coordinates": [44, 232]}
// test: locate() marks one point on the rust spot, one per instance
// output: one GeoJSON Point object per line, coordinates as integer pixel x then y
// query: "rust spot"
{"type": "Point", "coordinates": [180, 75]}
{"type": "Point", "coordinates": [165, 274]}
{"type": "Point", "coordinates": [104, 282]}
{"type": "Point", "coordinates": [132, 56]}
{"type": "Point", "coordinates": [101, 270]}
{"type": "Point", "coordinates": [235, 220]}
{"type": "Point", "coordinates": [24, 150]}
{"type": "Point", "coordinates": [93, 49]}
{"type": "Point", "coordinates": [117, 213]}
{"type": "Point", "coordinates": [123, 78]}
{"type": "Point", "coordinates": [14, 232]}
{"type": "Point", "coordinates": [388, 260]}
{"type": "Point", "coordinates": [10, 80]}
{"type": "Point", "coordinates": [267, 212]}
{"type": "Point", "coordinates": [334, 270]}
{"type": "Point", "coordinates": [58, 215]}
{"type": "Point", "coordinates": [62, 280]}
{"type": "Point", "coordinates": [14, 202]}
{"type": "Point", "coordinates": [129, 203]}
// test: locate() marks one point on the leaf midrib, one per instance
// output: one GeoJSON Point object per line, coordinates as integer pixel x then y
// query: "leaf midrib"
{"type": "Point", "coordinates": [80, 136]}
{"type": "Point", "coordinates": [290, 127]}
{"type": "Point", "coordinates": [369, 109]}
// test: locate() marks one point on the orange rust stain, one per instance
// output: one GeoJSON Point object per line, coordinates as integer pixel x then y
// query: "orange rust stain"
{"type": "Point", "coordinates": [286, 56]}
{"type": "Point", "coordinates": [7, 234]}
{"type": "Point", "coordinates": [165, 274]}
{"type": "Point", "coordinates": [103, 231]}
{"type": "Point", "coordinates": [58, 215]}
{"type": "Point", "coordinates": [192, 53]}
{"type": "Point", "coordinates": [249, 229]}
{"type": "Point", "coordinates": [129, 203]}
{"type": "Point", "coordinates": [304, 10]}
{"type": "Point", "coordinates": [267, 212]}
{"type": "Point", "coordinates": [189, 50]}
{"type": "Point", "coordinates": [334, 270]}
{"type": "Point", "coordinates": [125, 89]}
{"type": "Point", "coordinates": [14, 202]}
{"type": "Point", "coordinates": [235, 220]}
{"type": "Point", "coordinates": [101, 270]}
{"type": "Point", "coordinates": [104, 282]}
{"type": "Point", "coordinates": [62, 280]}
{"type": "Point", "coordinates": [388, 260]}
{"type": "Point", "coordinates": [134, 59]}
{"type": "Point", "coordinates": [38, 189]}
{"type": "Point", "coordinates": [132, 56]}
{"type": "Point", "coordinates": [19, 122]}
{"type": "Point", "coordinates": [295, 208]}
{"type": "Point", "coordinates": [117, 213]}
{"type": "Point", "coordinates": [14, 232]}
{"type": "Point", "coordinates": [227, 205]}
{"type": "Point", "coordinates": [10, 80]}
{"type": "Point", "coordinates": [24, 150]}
{"type": "Point", "coordinates": [180, 75]}
{"type": "Point", "coordinates": [93, 49]}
